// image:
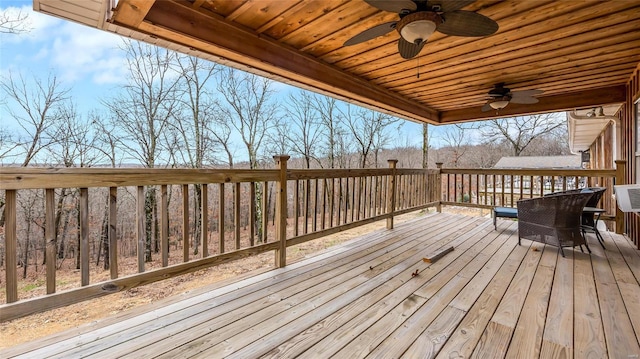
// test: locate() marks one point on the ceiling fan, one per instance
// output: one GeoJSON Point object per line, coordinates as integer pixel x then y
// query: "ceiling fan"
{"type": "Point", "coordinates": [500, 97]}
{"type": "Point", "coordinates": [420, 18]}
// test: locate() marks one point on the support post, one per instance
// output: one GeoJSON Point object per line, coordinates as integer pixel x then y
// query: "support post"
{"type": "Point", "coordinates": [438, 185]}
{"type": "Point", "coordinates": [281, 211]}
{"type": "Point", "coordinates": [620, 179]}
{"type": "Point", "coordinates": [391, 193]}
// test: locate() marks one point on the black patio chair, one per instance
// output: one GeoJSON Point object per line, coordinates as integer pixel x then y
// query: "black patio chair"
{"type": "Point", "coordinates": [554, 220]}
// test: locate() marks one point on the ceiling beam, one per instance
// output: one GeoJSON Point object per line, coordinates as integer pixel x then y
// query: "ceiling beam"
{"type": "Point", "coordinates": [132, 12]}
{"type": "Point", "coordinates": [241, 46]}
{"type": "Point", "coordinates": [557, 103]}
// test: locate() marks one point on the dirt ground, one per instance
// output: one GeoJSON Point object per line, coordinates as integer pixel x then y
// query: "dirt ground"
{"type": "Point", "coordinates": [53, 321]}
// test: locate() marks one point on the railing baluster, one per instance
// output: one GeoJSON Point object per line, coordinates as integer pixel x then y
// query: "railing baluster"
{"type": "Point", "coordinates": [315, 205]}
{"type": "Point", "coordinates": [221, 206]}
{"type": "Point", "coordinates": [112, 232]}
{"type": "Point", "coordinates": [84, 236]}
{"type": "Point", "coordinates": [140, 225]}
{"type": "Point", "coordinates": [252, 213]}
{"type": "Point", "coordinates": [358, 196]}
{"type": "Point", "coordinates": [332, 201]}
{"type": "Point", "coordinates": [11, 246]}
{"type": "Point", "coordinates": [236, 214]}
{"type": "Point", "coordinates": [296, 208]}
{"type": "Point", "coordinates": [511, 190]}
{"type": "Point", "coordinates": [185, 223]}
{"type": "Point", "coordinates": [50, 239]}
{"type": "Point", "coordinates": [391, 195]}
{"type": "Point", "coordinates": [164, 225]}
{"type": "Point", "coordinates": [265, 211]}
{"type": "Point", "coordinates": [305, 225]}
{"type": "Point", "coordinates": [204, 219]}
{"type": "Point", "coordinates": [324, 204]}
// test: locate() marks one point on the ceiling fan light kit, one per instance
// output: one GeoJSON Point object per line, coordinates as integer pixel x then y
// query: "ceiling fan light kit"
{"type": "Point", "coordinates": [499, 104]}
{"type": "Point", "coordinates": [418, 26]}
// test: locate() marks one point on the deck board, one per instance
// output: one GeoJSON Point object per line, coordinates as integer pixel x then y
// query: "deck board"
{"type": "Point", "coordinates": [488, 298]}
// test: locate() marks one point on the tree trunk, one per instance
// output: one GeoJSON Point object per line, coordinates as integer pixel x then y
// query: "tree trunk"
{"type": "Point", "coordinates": [425, 145]}
{"type": "Point", "coordinates": [26, 251]}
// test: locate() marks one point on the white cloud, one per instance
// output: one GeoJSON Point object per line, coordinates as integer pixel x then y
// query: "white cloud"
{"type": "Point", "coordinates": [79, 52]}
{"type": "Point", "coordinates": [74, 52]}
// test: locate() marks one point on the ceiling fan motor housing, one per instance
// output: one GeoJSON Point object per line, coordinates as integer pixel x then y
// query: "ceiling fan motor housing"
{"type": "Point", "coordinates": [418, 26]}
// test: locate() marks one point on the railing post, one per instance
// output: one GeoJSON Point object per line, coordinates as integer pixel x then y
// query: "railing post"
{"type": "Point", "coordinates": [391, 193]}
{"type": "Point", "coordinates": [281, 211]}
{"type": "Point", "coordinates": [439, 187]}
{"type": "Point", "coordinates": [620, 179]}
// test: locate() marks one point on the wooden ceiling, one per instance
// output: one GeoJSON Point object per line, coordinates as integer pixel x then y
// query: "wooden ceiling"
{"type": "Point", "coordinates": [580, 53]}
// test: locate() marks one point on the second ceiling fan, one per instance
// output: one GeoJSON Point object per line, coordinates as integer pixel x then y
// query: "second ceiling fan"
{"type": "Point", "coordinates": [500, 97]}
{"type": "Point", "coordinates": [419, 19]}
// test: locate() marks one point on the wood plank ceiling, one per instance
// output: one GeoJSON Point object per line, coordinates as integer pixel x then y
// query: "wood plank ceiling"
{"type": "Point", "coordinates": [580, 53]}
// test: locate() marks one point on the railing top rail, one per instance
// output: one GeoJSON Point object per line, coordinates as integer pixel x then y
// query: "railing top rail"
{"type": "Point", "coordinates": [532, 172]}
{"type": "Point", "coordinates": [31, 178]}
{"type": "Point", "coordinates": [303, 174]}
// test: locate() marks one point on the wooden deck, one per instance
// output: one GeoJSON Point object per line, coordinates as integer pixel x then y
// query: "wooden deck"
{"type": "Point", "coordinates": [488, 298]}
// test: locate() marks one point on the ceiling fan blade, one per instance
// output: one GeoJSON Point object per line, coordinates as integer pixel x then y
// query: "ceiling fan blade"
{"type": "Point", "coordinates": [526, 100]}
{"type": "Point", "coordinates": [393, 5]}
{"type": "Point", "coordinates": [486, 107]}
{"type": "Point", "coordinates": [408, 50]}
{"type": "Point", "coordinates": [451, 5]}
{"type": "Point", "coordinates": [467, 23]}
{"type": "Point", "coordinates": [371, 33]}
{"type": "Point", "coordinates": [526, 93]}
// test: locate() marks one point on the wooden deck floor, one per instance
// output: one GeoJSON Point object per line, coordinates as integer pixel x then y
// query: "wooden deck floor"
{"type": "Point", "coordinates": [489, 298]}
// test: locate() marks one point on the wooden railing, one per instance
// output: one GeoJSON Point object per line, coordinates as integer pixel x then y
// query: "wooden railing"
{"type": "Point", "coordinates": [176, 221]}
{"type": "Point", "coordinates": [486, 188]}
{"type": "Point", "coordinates": [208, 217]}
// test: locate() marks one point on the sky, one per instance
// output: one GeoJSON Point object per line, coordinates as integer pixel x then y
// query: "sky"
{"type": "Point", "coordinates": [87, 61]}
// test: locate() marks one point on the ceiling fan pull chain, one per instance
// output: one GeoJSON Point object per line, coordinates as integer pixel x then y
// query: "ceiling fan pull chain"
{"type": "Point", "coordinates": [418, 67]}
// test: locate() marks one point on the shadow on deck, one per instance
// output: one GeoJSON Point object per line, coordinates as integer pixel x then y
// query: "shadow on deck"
{"type": "Point", "coordinates": [487, 298]}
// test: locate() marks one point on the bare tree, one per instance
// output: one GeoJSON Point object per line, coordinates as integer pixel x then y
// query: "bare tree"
{"type": "Point", "coordinates": [367, 128]}
{"type": "Point", "coordinates": [331, 121]}
{"type": "Point", "coordinates": [143, 112]}
{"type": "Point", "coordinates": [75, 147]}
{"type": "Point", "coordinates": [303, 130]}
{"type": "Point", "coordinates": [222, 131]}
{"type": "Point", "coordinates": [14, 22]}
{"type": "Point", "coordinates": [279, 139]}
{"type": "Point", "coordinates": [520, 132]}
{"type": "Point", "coordinates": [37, 107]}
{"type": "Point", "coordinates": [194, 124]}
{"type": "Point", "coordinates": [456, 137]}
{"type": "Point", "coordinates": [249, 108]}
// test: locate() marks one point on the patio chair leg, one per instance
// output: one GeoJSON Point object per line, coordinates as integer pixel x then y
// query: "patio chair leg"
{"type": "Point", "coordinates": [586, 245]}
{"type": "Point", "coordinates": [581, 249]}
{"type": "Point", "coordinates": [561, 251]}
{"type": "Point", "coordinates": [600, 239]}
{"type": "Point", "coordinates": [519, 241]}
